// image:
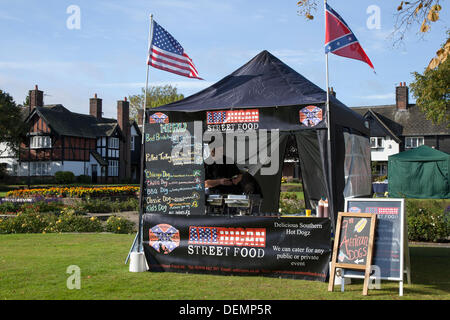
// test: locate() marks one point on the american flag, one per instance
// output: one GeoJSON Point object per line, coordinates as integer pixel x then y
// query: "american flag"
{"type": "Point", "coordinates": [249, 237]}
{"type": "Point", "coordinates": [167, 54]}
{"type": "Point", "coordinates": [232, 116]}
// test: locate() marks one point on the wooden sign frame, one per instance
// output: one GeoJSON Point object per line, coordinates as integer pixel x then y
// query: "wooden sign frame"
{"type": "Point", "coordinates": [366, 267]}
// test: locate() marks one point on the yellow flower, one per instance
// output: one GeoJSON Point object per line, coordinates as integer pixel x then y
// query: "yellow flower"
{"type": "Point", "coordinates": [118, 228]}
{"type": "Point", "coordinates": [92, 219]}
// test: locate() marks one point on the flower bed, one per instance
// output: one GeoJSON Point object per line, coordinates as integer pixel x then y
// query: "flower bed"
{"type": "Point", "coordinates": [74, 192]}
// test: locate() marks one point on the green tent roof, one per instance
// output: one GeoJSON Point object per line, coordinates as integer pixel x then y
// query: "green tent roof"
{"type": "Point", "coordinates": [422, 153]}
{"type": "Point", "coordinates": [419, 173]}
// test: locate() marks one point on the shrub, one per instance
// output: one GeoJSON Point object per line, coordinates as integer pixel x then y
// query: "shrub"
{"type": "Point", "coordinates": [290, 203]}
{"type": "Point", "coordinates": [9, 207]}
{"type": "Point", "coordinates": [132, 204]}
{"type": "Point", "coordinates": [106, 205]}
{"type": "Point", "coordinates": [43, 207]}
{"type": "Point", "coordinates": [26, 223]}
{"type": "Point", "coordinates": [71, 222]}
{"type": "Point", "coordinates": [288, 195]}
{"type": "Point", "coordinates": [32, 222]}
{"type": "Point", "coordinates": [119, 225]}
{"type": "Point", "coordinates": [64, 177]}
{"type": "Point", "coordinates": [427, 220]}
{"type": "Point", "coordinates": [84, 179]}
{"type": "Point", "coordinates": [95, 206]}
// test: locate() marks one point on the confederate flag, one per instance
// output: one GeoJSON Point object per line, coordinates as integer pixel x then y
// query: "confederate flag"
{"type": "Point", "coordinates": [340, 40]}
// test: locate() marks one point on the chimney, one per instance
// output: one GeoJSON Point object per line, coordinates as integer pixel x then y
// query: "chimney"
{"type": "Point", "coordinates": [95, 107]}
{"type": "Point", "coordinates": [36, 98]}
{"type": "Point", "coordinates": [402, 96]}
{"type": "Point", "coordinates": [332, 92]}
{"type": "Point", "coordinates": [123, 119]}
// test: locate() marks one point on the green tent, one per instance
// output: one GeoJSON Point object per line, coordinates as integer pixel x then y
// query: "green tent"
{"type": "Point", "coordinates": [419, 173]}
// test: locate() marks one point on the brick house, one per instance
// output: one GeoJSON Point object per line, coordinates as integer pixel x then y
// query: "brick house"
{"type": "Point", "coordinates": [399, 127]}
{"type": "Point", "coordinates": [105, 149]}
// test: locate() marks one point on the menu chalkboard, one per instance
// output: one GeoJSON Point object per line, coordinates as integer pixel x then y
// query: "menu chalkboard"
{"type": "Point", "coordinates": [354, 240]}
{"type": "Point", "coordinates": [174, 171]}
{"type": "Point", "coordinates": [353, 245]}
{"type": "Point", "coordinates": [389, 235]}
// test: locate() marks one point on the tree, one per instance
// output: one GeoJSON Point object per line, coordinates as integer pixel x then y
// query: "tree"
{"type": "Point", "coordinates": [432, 88]}
{"type": "Point", "coordinates": [421, 13]}
{"type": "Point", "coordinates": [156, 96]}
{"type": "Point", "coordinates": [12, 127]}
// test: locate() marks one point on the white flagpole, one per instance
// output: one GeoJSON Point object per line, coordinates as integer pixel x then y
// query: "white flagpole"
{"type": "Point", "coordinates": [141, 204]}
{"type": "Point", "coordinates": [327, 84]}
{"type": "Point", "coordinates": [150, 34]}
{"type": "Point", "coordinates": [329, 149]}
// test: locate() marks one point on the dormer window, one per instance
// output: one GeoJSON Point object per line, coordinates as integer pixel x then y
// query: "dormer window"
{"type": "Point", "coordinates": [413, 142]}
{"type": "Point", "coordinates": [39, 142]}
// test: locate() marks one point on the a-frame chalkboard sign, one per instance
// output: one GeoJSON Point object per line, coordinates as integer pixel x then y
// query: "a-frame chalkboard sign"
{"type": "Point", "coordinates": [391, 251]}
{"type": "Point", "coordinates": [353, 245]}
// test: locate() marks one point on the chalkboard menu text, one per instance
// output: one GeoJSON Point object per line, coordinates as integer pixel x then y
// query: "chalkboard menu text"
{"type": "Point", "coordinates": [174, 171]}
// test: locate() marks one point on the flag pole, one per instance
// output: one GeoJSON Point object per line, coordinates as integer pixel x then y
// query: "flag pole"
{"type": "Point", "coordinates": [329, 148]}
{"type": "Point", "coordinates": [141, 198]}
{"type": "Point", "coordinates": [327, 84]}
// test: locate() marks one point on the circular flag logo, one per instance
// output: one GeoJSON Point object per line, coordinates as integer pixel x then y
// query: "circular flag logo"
{"type": "Point", "coordinates": [164, 238]}
{"type": "Point", "coordinates": [310, 116]}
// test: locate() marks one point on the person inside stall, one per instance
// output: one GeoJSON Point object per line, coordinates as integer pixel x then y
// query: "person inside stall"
{"type": "Point", "coordinates": [226, 178]}
{"type": "Point", "coordinates": [222, 177]}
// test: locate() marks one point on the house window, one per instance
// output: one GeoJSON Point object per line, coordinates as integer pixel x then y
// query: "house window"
{"type": "Point", "coordinates": [113, 143]}
{"type": "Point", "coordinates": [113, 168]}
{"type": "Point", "coordinates": [132, 143]}
{"type": "Point", "coordinates": [413, 142]}
{"type": "Point", "coordinates": [380, 169]}
{"type": "Point", "coordinates": [40, 169]}
{"type": "Point", "coordinates": [38, 142]}
{"type": "Point", "coordinates": [376, 142]}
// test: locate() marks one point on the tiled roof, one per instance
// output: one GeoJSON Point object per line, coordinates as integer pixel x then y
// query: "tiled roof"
{"type": "Point", "coordinates": [410, 122]}
{"type": "Point", "coordinates": [68, 123]}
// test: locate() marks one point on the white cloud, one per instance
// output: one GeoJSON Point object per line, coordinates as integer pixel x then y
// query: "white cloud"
{"type": "Point", "coordinates": [4, 16]}
{"type": "Point", "coordinates": [378, 96]}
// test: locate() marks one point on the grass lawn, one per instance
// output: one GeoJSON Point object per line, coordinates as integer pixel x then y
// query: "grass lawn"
{"type": "Point", "coordinates": [33, 266]}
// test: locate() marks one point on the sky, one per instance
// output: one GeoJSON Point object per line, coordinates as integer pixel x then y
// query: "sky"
{"type": "Point", "coordinates": [73, 49]}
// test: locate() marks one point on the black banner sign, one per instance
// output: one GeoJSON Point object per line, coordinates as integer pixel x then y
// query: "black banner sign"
{"type": "Point", "coordinates": [298, 248]}
{"type": "Point", "coordinates": [174, 171]}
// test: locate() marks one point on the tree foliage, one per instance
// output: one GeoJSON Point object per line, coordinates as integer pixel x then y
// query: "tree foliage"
{"type": "Point", "coordinates": [12, 127]}
{"type": "Point", "coordinates": [156, 96]}
{"type": "Point", "coordinates": [432, 88]}
{"type": "Point", "coordinates": [421, 13]}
